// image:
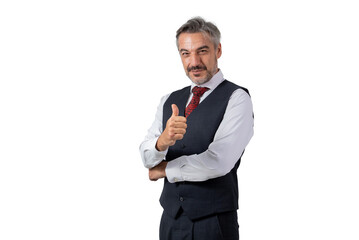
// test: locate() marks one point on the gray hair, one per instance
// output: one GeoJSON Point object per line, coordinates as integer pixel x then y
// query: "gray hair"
{"type": "Point", "coordinates": [198, 24]}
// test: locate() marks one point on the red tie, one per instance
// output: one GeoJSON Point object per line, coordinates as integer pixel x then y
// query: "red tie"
{"type": "Point", "coordinates": [197, 94]}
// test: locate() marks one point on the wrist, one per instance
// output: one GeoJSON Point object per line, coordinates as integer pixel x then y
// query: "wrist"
{"type": "Point", "coordinates": [160, 146]}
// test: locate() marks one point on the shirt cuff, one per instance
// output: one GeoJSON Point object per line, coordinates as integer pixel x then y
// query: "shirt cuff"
{"type": "Point", "coordinates": [158, 154]}
{"type": "Point", "coordinates": [151, 156]}
{"type": "Point", "coordinates": [173, 171]}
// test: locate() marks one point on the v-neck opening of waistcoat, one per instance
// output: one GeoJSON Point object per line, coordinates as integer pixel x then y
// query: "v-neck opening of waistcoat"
{"type": "Point", "coordinates": [207, 99]}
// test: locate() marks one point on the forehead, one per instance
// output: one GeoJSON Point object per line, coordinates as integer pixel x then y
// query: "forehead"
{"type": "Point", "coordinates": [192, 41]}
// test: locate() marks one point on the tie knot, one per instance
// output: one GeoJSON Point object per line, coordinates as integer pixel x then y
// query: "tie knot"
{"type": "Point", "coordinates": [199, 91]}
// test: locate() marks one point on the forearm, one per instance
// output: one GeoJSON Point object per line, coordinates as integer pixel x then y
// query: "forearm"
{"type": "Point", "coordinates": [157, 172]}
{"type": "Point", "coordinates": [232, 136]}
{"type": "Point", "coordinates": [217, 161]}
{"type": "Point", "coordinates": [151, 157]}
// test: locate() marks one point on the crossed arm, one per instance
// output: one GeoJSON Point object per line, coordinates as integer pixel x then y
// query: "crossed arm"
{"type": "Point", "coordinates": [231, 138]}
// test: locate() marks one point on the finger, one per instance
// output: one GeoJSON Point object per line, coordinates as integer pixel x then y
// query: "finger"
{"type": "Point", "coordinates": [172, 134]}
{"type": "Point", "coordinates": [178, 137]}
{"type": "Point", "coordinates": [175, 110]}
{"type": "Point", "coordinates": [179, 131]}
{"type": "Point", "coordinates": [178, 125]}
{"type": "Point", "coordinates": [179, 119]}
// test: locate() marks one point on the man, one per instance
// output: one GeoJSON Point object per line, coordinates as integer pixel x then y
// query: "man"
{"type": "Point", "coordinates": [196, 142]}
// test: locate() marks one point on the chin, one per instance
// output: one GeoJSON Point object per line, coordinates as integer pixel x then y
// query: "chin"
{"type": "Point", "coordinates": [199, 80]}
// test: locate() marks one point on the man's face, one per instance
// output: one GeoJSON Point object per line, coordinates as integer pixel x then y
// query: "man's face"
{"type": "Point", "coordinates": [199, 56]}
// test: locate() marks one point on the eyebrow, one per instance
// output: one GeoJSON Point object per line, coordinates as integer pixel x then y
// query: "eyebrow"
{"type": "Point", "coordinates": [203, 47]}
{"type": "Point", "coordinates": [200, 48]}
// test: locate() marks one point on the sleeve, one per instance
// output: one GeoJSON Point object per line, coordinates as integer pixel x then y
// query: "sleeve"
{"type": "Point", "coordinates": [149, 154]}
{"type": "Point", "coordinates": [231, 138]}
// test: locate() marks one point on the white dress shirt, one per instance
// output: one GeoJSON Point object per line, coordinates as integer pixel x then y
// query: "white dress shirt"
{"type": "Point", "coordinates": [230, 140]}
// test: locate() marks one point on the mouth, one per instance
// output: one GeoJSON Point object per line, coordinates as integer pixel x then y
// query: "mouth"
{"type": "Point", "coordinates": [197, 71]}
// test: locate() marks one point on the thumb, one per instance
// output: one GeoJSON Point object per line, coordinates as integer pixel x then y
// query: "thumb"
{"type": "Point", "coordinates": [175, 110]}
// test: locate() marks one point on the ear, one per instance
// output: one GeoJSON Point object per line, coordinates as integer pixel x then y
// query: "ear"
{"type": "Point", "coordinates": [219, 51]}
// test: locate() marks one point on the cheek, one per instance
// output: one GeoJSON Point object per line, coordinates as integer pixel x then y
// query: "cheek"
{"type": "Point", "coordinates": [185, 63]}
{"type": "Point", "coordinates": [207, 62]}
{"type": "Point", "coordinates": [213, 61]}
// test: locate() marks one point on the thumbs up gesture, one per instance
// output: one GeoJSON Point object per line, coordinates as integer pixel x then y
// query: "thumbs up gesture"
{"type": "Point", "coordinates": [175, 130]}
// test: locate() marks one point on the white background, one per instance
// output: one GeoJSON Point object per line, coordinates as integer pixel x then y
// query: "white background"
{"type": "Point", "coordinates": [80, 83]}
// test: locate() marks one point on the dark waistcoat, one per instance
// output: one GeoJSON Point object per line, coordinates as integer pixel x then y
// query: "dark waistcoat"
{"type": "Point", "coordinates": [199, 199]}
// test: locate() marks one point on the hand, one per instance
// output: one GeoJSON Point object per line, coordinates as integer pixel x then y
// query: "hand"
{"type": "Point", "coordinates": [175, 130]}
{"type": "Point", "coordinates": [157, 172]}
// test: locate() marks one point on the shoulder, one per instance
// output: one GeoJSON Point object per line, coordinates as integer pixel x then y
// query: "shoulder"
{"type": "Point", "coordinates": [180, 91]}
{"type": "Point", "coordinates": [240, 96]}
{"type": "Point", "coordinates": [184, 92]}
{"type": "Point", "coordinates": [240, 102]}
{"type": "Point", "coordinates": [237, 89]}
{"type": "Point", "coordinates": [175, 93]}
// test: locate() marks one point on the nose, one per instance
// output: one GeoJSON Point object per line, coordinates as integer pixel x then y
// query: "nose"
{"type": "Point", "coordinates": [195, 60]}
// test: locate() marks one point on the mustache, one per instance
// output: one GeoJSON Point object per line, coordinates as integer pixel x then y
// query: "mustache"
{"type": "Point", "coordinates": [198, 67]}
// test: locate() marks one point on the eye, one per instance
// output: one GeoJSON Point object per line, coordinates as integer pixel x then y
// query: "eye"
{"type": "Point", "coordinates": [184, 54]}
{"type": "Point", "coordinates": [203, 51]}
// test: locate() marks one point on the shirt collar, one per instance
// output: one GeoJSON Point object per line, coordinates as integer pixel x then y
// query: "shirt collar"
{"type": "Point", "coordinates": [213, 83]}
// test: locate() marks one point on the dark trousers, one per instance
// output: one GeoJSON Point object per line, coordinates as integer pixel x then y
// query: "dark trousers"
{"type": "Point", "coordinates": [222, 226]}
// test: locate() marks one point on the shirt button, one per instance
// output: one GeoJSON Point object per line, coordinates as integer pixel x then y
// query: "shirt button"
{"type": "Point", "coordinates": [181, 199]}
